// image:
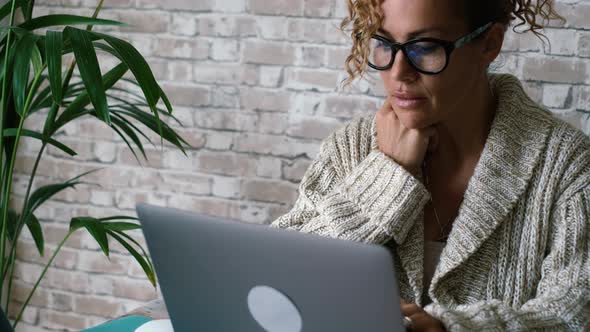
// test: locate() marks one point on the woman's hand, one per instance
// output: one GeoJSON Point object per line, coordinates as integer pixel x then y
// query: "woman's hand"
{"type": "Point", "coordinates": [421, 321]}
{"type": "Point", "coordinates": [407, 147]}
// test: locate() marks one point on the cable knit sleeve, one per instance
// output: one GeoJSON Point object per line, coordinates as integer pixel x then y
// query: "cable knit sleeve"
{"type": "Point", "coordinates": [375, 201]}
{"type": "Point", "coordinates": [563, 294]}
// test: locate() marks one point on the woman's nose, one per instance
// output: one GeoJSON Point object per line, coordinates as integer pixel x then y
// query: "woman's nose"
{"type": "Point", "coordinates": [401, 69]}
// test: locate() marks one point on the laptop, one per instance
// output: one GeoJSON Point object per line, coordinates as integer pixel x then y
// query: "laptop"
{"type": "Point", "coordinates": [224, 275]}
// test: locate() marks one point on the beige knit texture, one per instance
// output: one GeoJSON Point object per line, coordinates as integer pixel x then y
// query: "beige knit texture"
{"type": "Point", "coordinates": [518, 256]}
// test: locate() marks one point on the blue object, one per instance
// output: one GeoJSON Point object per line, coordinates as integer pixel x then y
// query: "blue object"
{"type": "Point", "coordinates": [125, 324]}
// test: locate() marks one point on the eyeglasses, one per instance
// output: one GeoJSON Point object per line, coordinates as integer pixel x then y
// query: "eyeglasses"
{"type": "Point", "coordinates": [428, 56]}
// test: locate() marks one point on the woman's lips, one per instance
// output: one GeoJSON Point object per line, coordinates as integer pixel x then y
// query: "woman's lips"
{"type": "Point", "coordinates": [407, 101]}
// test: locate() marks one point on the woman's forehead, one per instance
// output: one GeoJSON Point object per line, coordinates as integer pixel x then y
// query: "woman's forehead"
{"type": "Point", "coordinates": [406, 19]}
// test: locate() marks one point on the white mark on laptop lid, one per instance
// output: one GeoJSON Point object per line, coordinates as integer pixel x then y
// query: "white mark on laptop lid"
{"type": "Point", "coordinates": [273, 310]}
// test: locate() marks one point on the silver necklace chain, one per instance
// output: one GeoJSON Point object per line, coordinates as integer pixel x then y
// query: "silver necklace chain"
{"type": "Point", "coordinates": [443, 235]}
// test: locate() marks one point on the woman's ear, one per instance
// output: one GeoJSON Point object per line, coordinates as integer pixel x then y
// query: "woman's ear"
{"type": "Point", "coordinates": [494, 39]}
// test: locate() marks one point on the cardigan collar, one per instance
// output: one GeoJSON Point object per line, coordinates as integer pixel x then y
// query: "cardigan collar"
{"type": "Point", "coordinates": [512, 150]}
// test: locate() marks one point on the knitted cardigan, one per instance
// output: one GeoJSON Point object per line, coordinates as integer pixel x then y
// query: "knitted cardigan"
{"type": "Point", "coordinates": [518, 255]}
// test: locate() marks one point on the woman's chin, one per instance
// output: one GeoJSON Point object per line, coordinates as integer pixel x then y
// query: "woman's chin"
{"type": "Point", "coordinates": [414, 119]}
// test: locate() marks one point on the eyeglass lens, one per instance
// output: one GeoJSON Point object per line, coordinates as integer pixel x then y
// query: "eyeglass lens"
{"type": "Point", "coordinates": [425, 55]}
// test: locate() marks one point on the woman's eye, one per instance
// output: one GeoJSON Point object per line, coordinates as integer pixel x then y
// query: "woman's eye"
{"type": "Point", "coordinates": [426, 48]}
{"type": "Point", "coordinates": [382, 44]}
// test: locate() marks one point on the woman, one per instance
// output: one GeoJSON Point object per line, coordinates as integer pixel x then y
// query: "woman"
{"type": "Point", "coordinates": [481, 194]}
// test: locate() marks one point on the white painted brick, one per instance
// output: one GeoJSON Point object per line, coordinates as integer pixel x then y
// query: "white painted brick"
{"type": "Point", "coordinates": [106, 152]}
{"type": "Point", "coordinates": [175, 159]}
{"type": "Point", "coordinates": [318, 8]}
{"type": "Point", "coordinates": [270, 76]}
{"type": "Point", "coordinates": [102, 198]}
{"type": "Point", "coordinates": [562, 41]}
{"type": "Point", "coordinates": [584, 44]}
{"type": "Point", "coordinates": [225, 96]}
{"type": "Point", "coordinates": [582, 94]}
{"type": "Point", "coordinates": [269, 167]}
{"type": "Point", "coordinates": [557, 95]}
{"type": "Point", "coordinates": [226, 187]}
{"type": "Point", "coordinates": [277, 7]}
{"type": "Point", "coordinates": [225, 50]}
{"type": "Point", "coordinates": [180, 71]}
{"type": "Point", "coordinates": [230, 6]}
{"type": "Point", "coordinates": [312, 79]}
{"type": "Point", "coordinates": [184, 24]}
{"type": "Point", "coordinates": [219, 140]}
{"type": "Point", "coordinates": [340, 8]}
{"type": "Point", "coordinates": [271, 27]}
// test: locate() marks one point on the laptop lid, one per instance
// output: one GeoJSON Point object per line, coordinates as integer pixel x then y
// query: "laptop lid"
{"type": "Point", "coordinates": [223, 275]}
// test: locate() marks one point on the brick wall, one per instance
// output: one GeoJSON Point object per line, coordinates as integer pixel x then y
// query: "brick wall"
{"type": "Point", "coordinates": [256, 84]}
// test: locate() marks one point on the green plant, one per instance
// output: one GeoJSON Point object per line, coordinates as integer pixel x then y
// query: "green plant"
{"type": "Point", "coordinates": [32, 81]}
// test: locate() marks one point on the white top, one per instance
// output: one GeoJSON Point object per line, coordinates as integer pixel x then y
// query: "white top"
{"type": "Point", "coordinates": [432, 251]}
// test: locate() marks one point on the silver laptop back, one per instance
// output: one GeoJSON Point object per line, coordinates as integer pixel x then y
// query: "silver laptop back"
{"type": "Point", "coordinates": [223, 275]}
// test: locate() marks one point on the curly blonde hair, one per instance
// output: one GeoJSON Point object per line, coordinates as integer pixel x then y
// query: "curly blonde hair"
{"type": "Point", "coordinates": [366, 17]}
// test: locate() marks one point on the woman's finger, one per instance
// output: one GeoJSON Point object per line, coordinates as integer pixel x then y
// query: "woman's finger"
{"type": "Point", "coordinates": [409, 309]}
{"type": "Point", "coordinates": [421, 321]}
{"type": "Point", "coordinates": [387, 106]}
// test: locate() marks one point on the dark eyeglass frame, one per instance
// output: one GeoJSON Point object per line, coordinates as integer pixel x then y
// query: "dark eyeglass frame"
{"type": "Point", "coordinates": [449, 47]}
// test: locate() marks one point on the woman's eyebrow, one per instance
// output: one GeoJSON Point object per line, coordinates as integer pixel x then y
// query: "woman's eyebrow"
{"type": "Point", "coordinates": [412, 34]}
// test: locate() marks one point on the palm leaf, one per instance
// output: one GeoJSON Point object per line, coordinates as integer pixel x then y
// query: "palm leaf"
{"type": "Point", "coordinates": [5, 10]}
{"type": "Point", "coordinates": [120, 232]}
{"type": "Point", "coordinates": [95, 229]}
{"type": "Point", "coordinates": [121, 226]}
{"type": "Point", "coordinates": [63, 19]}
{"type": "Point", "coordinates": [37, 60]}
{"type": "Point", "coordinates": [11, 226]}
{"type": "Point", "coordinates": [166, 101]}
{"type": "Point", "coordinates": [149, 121]}
{"type": "Point", "coordinates": [98, 228]}
{"type": "Point", "coordinates": [147, 268]}
{"type": "Point", "coordinates": [126, 142]}
{"type": "Point", "coordinates": [50, 120]}
{"type": "Point", "coordinates": [76, 108]}
{"type": "Point", "coordinates": [134, 127]}
{"type": "Point", "coordinates": [24, 51]}
{"type": "Point", "coordinates": [18, 31]}
{"type": "Point", "coordinates": [140, 69]}
{"type": "Point", "coordinates": [54, 47]}
{"type": "Point", "coordinates": [138, 66]}
{"type": "Point", "coordinates": [108, 49]}
{"type": "Point", "coordinates": [2, 59]}
{"type": "Point", "coordinates": [129, 95]}
{"type": "Point", "coordinates": [11, 132]}
{"type": "Point", "coordinates": [89, 70]}
{"type": "Point", "coordinates": [44, 193]}
{"type": "Point", "coordinates": [125, 128]}
{"type": "Point", "coordinates": [43, 98]}
{"type": "Point", "coordinates": [27, 9]}
{"type": "Point", "coordinates": [136, 106]}
{"type": "Point", "coordinates": [36, 232]}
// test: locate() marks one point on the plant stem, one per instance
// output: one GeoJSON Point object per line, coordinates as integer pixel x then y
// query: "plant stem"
{"type": "Point", "coordinates": [95, 15]}
{"type": "Point", "coordinates": [4, 194]}
{"type": "Point", "coordinates": [8, 186]}
{"type": "Point", "coordinates": [11, 264]}
{"type": "Point", "coordinates": [26, 201]}
{"type": "Point", "coordinates": [15, 243]}
{"type": "Point", "coordinates": [22, 310]}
